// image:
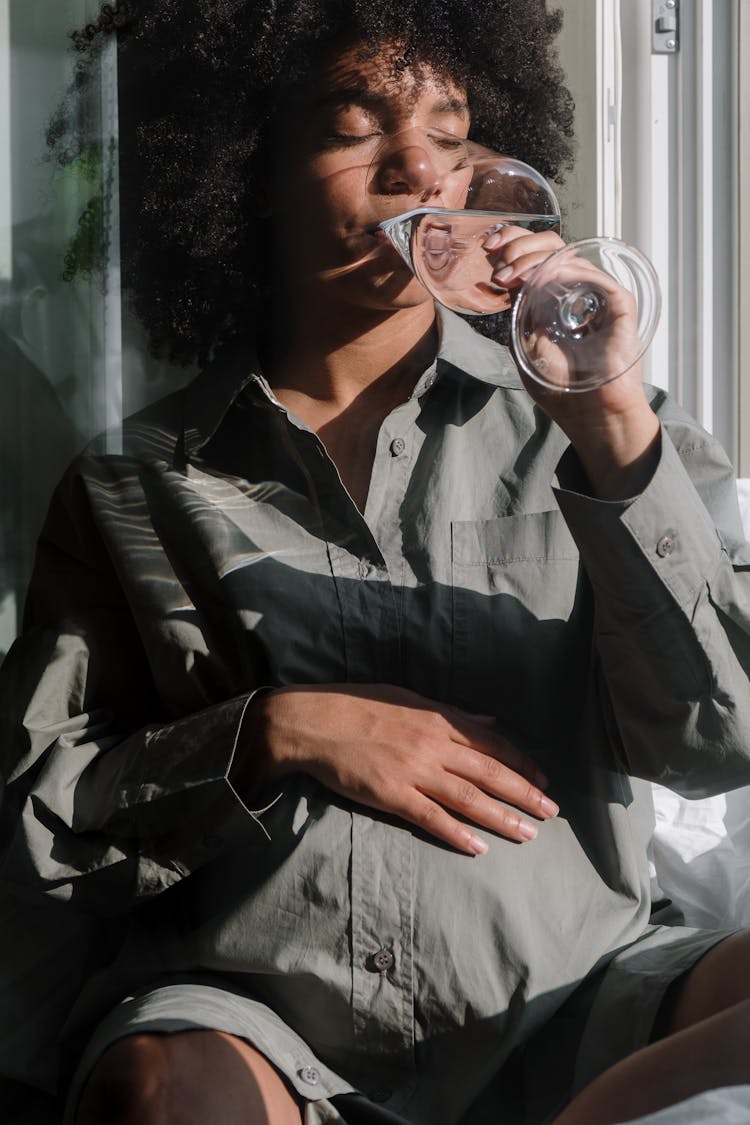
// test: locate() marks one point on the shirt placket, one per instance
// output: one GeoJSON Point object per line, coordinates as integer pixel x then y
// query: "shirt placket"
{"type": "Point", "coordinates": [382, 862]}
{"type": "Point", "coordinates": [366, 560]}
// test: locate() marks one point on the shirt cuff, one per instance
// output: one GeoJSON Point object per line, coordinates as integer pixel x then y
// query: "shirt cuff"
{"type": "Point", "coordinates": [665, 530]}
{"type": "Point", "coordinates": [220, 820]}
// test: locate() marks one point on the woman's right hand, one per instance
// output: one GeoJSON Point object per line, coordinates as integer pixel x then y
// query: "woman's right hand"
{"type": "Point", "coordinates": [393, 750]}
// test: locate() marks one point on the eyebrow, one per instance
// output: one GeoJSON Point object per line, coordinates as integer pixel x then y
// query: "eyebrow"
{"type": "Point", "coordinates": [369, 99]}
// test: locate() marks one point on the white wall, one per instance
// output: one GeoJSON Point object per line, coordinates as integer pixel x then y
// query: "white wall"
{"type": "Point", "coordinates": [578, 46]}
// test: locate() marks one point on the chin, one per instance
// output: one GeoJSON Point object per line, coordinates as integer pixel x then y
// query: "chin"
{"type": "Point", "coordinates": [397, 289]}
{"type": "Point", "coordinates": [377, 286]}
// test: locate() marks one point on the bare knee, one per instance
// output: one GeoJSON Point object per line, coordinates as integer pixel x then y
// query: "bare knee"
{"type": "Point", "coordinates": [131, 1082]}
{"type": "Point", "coordinates": [186, 1078]}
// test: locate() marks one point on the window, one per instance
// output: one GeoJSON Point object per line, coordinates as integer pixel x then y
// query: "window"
{"type": "Point", "coordinates": [71, 364]}
{"type": "Point", "coordinates": [664, 151]}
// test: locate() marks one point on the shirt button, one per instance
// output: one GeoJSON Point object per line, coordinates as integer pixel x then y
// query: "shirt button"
{"type": "Point", "coordinates": [398, 445]}
{"type": "Point", "coordinates": [383, 960]}
{"type": "Point", "coordinates": [665, 546]}
{"type": "Point", "coordinates": [310, 1075]}
{"type": "Point", "coordinates": [363, 568]}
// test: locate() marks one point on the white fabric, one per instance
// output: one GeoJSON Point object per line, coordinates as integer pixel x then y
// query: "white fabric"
{"type": "Point", "coordinates": [700, 850]}
{"type": "Point", "coordinates": [729, 1105]}
{"type": "Point", "coordinates": [743, 495]}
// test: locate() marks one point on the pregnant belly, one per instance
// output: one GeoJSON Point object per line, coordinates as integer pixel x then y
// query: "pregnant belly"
{"type": "Point", "coordinates": [351, 926]}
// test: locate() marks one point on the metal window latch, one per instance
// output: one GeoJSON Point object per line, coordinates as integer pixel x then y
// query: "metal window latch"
{"type": "Point", "coordinates": [665, 27]}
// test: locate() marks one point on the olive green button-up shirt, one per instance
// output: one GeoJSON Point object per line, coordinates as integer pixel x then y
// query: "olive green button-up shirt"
{"type": "Point", "coordinates": [220, 553]}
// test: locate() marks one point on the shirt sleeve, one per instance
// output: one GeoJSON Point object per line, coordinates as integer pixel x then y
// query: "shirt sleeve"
{"type": "Point", "coordinates": [104, 801]}
{"type": "Point", "coordinates": [671, 579]}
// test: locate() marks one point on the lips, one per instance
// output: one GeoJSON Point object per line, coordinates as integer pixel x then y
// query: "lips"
{"type": "Point", "coordinates": [437, 247]}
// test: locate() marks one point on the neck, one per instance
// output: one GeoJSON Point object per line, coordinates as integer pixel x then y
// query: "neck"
{"type": "Point", "coordinates": [337, 361]}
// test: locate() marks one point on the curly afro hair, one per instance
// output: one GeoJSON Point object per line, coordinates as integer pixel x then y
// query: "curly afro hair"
{"type": "Point", "coordinates": [201, 83]}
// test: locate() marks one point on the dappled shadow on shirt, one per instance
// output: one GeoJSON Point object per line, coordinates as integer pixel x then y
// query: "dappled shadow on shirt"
{"type": "Point", "coordinates": [179, 590]}
{"type": "Point", "coordinates": [220, 597]}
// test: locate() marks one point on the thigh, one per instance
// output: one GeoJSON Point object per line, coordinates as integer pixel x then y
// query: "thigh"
{"type": "Point", "coordinates": [613, 1013]}
{"type": "Point", "coordinates": [717, 981]}
{"type": "Point", "coordinates": [187, 1077]}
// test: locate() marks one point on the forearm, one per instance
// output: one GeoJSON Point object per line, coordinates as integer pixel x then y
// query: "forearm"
{"type": "Point", "coordinates": [98, 811]}
{"type": "Point", "coordinates": [618, 452]}
{"type": "Point", "coordinates": [672, 638]}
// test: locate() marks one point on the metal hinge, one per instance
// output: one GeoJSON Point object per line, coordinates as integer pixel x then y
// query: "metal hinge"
{"type": "Point", "coordinates": [665, 27]}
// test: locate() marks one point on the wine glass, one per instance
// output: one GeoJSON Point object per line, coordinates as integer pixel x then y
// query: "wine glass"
{"type": "Point", "coordinates": [583, 317]}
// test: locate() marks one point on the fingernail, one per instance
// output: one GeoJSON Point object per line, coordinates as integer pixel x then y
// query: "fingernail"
{"type": "Point", "coordinates": [476, 844]}
{"type": "Point", "coordinates": [504, 273]}
{"type": "Point", "coordinates": [527, 831]}
{"type": "Point", "coordinates": [548, 807]}
{"type": "Point", "coordinates": [493, 241]}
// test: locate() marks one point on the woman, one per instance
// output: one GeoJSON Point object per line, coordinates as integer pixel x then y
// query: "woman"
{"type": "Point", "coordinates": [343, 664]}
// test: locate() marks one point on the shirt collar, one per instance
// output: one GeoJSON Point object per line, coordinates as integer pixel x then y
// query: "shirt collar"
{"type": "Point", "coordinates": [464, 349]}
{"type": "Point", "coordinates": [212, 392]}
{"type": "Point", "coordinates": [210, 395]}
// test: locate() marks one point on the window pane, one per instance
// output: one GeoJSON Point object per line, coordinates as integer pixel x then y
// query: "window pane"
{"type": "Point", "coordinates": [65, 374]}
{"type": "Point", "coordinates": [50, 331]}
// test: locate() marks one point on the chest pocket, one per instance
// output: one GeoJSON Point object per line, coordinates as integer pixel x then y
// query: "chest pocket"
{"type": "Point", "coordinates": [521, 625]}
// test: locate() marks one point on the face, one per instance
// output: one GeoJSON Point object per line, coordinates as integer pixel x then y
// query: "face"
{"type": "Point", "coordinates": [326, 196]}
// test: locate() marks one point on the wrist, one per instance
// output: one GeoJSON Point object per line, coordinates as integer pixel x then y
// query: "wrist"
{"type": "Point", "coordinates": [619, 452]}
{"type": "Point", "coordinates": [256, 762]}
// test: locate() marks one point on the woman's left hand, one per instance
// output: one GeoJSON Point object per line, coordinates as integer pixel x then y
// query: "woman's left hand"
{"type": "Point", "coordinates": [612, 428]}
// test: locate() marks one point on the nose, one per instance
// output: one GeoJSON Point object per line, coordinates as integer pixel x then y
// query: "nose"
{"type": "Point", "coordinates": [408, 170]}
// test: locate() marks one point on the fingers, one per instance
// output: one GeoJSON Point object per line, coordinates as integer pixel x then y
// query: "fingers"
{"type": "Point", "coordinates": [483, 720]}
{"type": "Point", "coordinates": [497, 777]}
{"type": "Point", "coordinates": [446, 793]}
{"type": "Point", "coordinates": [511, 240]}
{"type": "Point", "coordinates": [516, 253]}
{"type": "Point", "coordinates": [436, 821]}
{"type": "Point", "coordinates": [473, 716]}
{"type": "Point", "coordinates": [479, 769]}
{"type": "Point", "coordinates": [572, 273]}
{"type": "Point", "coordinates": [475, 732]}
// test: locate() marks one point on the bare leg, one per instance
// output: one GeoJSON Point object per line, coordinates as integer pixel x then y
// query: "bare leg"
{"type": "Point", "coordinates": [186, 1078]}
{"type": "Point", "coordinates": [709, 1054]}
{"type": "Point", "coordinates": [705, 1045]}
{"type": "Point", "coordinates": [719, 980]}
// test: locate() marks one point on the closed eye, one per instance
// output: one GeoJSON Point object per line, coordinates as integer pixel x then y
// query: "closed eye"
{"type": "Point", "coordinates": [447, 143]}
{"type": "Point", "coordinates": [348, 140]}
